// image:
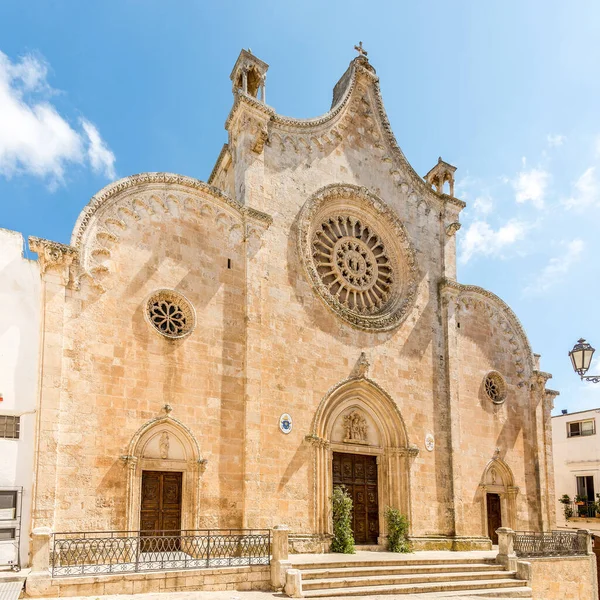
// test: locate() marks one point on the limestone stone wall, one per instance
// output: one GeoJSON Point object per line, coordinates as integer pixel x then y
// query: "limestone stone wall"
{"type": "Point", "coordinates": [565, 578]}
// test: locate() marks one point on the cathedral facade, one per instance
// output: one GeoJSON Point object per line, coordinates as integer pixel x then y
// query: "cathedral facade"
{"type": "Point", "coordinates": [221, 354]}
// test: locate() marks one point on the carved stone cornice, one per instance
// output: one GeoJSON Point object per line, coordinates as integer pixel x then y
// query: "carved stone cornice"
{"type": "Point", "coordinates": [52, 255]}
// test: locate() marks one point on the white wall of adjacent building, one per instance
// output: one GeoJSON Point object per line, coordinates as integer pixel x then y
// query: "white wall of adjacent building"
{"type": "Point", "coordinates": [576, 445]}
{"type": "Point", "coordinates": [19, 348]}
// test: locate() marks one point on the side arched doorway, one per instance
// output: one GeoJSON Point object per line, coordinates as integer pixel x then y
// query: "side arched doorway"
{"type": "Point", "coordinates": [163, 477]}
{"type": "Point", "coordinates": [499, 495]}
{"type": "Point", "coordinates": [360, 441]}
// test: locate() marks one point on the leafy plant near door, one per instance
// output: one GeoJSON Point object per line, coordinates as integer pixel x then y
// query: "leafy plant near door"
{"type": "Point", "coordinates": [565, 500]}
{"type": "Point", "coordinates": [341, 504]}
{"type": "Point", "coordinates": [397, 527]}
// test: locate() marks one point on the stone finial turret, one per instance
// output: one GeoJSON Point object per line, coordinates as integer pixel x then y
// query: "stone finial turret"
{"type": "Point", "coordinates": [440, 174]}
{"type": "Point", "coordinates": [249, 74]}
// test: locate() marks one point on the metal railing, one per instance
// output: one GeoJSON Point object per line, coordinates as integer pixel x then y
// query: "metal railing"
{"type": "Point", "coordinates": [551, 543]}
{"type": "Point", "coordinates": [586, 510]}
{"type": "Point", "coordinates": [96, 552]}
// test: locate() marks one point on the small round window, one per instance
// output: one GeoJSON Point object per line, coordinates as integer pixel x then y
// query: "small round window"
{"type": "Point", "coordinates": [170, 314]}
{"type": "Point", "coordinates": [495, 388]}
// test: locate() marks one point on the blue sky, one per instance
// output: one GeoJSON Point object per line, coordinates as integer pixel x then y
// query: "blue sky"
{"type": "Point", "coordinates": [506, 91]}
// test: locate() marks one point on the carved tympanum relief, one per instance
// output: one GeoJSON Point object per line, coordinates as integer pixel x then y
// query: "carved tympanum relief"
{"type": "Point", "coordinates": [164, 445]}
{"type": "Point", "coordinates": [358, 257]}
{"type": "Point", "coordinates": [355, 428]}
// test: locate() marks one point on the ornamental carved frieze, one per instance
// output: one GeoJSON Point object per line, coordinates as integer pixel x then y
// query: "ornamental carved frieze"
{"type": "Point", "coordinates": [358, 257]}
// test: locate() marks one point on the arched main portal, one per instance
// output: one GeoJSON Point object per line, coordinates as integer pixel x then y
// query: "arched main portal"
{"type": "Point", "coordinates": [358, 418]}
{"type": "Point", "coordinates": [164, 446]}
{"type": "Point", "coordinates": [499, 497]}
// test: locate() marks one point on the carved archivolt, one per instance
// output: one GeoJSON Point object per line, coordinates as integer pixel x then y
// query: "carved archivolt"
{"type": "Point", "coordinates": [358, 256]}
{"type": "Point", "coordinates": [470, 297]}
{"type": "Point", "coordinates": [128, 202]}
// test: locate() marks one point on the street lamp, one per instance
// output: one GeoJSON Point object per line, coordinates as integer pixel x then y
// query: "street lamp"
{"type": "Point", "coordinates": [581, 358]}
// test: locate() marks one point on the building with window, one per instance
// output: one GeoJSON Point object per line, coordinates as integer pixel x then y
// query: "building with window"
{"type": "Point", "coordinates": [221, 354]}
{"type": "Point", "coordinates": [19, 349]}
{"type": "Point", "coordinates": [576, 448]}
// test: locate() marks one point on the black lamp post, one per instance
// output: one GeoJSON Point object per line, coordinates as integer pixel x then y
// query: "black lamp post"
{"type": "Point", "coordinates": [581, 358]}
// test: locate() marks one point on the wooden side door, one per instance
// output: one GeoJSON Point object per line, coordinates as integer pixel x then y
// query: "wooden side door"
{"type": "Point", "coordinates": [160, 509]}
{"type": "Point", "coordinates": [494, 516]}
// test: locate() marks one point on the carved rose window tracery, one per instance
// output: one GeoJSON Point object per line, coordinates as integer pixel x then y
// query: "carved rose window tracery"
{"type": "Point", "coordinates": [494, 387]}
{"type": "Point", "coordinates": [170, 314]}
{"type": "Point", "coordinates": [353, 264]}
{"type": "Point", "coordinates": [358, 256]}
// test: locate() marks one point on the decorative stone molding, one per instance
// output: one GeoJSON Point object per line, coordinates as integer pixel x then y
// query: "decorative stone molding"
{"type": "Point", "coordinates": [358, 256]}
{"type": "Point", "coordinates": [52, 255]}
{"type": "Point", "coordinates": [452, 228]}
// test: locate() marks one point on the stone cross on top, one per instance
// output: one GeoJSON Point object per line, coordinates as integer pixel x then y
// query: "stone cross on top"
{"type": "Point", "coordinates": [360, 49]}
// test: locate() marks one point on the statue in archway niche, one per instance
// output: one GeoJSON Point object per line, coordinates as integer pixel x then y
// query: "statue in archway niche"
{"type": "Point", "coordinates": [164, 445]}
{"type": "Point", "coordinates": [355, 428]}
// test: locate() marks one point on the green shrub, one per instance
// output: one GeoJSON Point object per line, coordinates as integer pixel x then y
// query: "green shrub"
{"type": "Point", "coordinates": [341, 504]}
{"type": "Point", "coordinates": [567, 506]}
{"type": "Point", "coordinates": [397, 526]}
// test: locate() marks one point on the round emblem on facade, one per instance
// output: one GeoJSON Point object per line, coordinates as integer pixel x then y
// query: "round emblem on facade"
{"type": "Point", "coordinates": [429, 442]}
{"type": "Point", "coordinates": [285, 423]}
{"type": "Point", "coordinates": [170, 313]}
{"type": "Point", "coordinates": [358, 256]}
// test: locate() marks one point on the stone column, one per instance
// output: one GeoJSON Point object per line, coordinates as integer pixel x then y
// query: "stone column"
{"type": "Point", "coordinates": [279, 559]}
{"type": "Point", "coordinates": [293, 583]}
{"type": "Point", "coordinates": [40, 549]}
{"type": "Point", "coordinates": [506, 549]}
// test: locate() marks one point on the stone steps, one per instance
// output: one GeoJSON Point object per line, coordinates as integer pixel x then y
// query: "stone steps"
{"type": "Point", "coordinates": [400, 569]}
{"type": "Point", "coordinates": [481, 585]}
{"type": "Point", "coordinates": [425, 577]}
{"type": "Point", "coordinates": [404, 579]}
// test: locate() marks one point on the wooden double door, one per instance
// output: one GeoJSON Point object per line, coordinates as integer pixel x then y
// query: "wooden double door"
{"type": "Point", "coordinates": [358, 473]}
{"type": "Point", "coordinates": [160, 510]}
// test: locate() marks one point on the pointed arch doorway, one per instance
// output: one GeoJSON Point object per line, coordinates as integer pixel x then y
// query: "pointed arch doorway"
{"type": "Point", "coordinates": [360, 439]}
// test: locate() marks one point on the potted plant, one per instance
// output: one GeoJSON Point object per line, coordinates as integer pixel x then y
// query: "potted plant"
{"type": "Point", "coordinates": [565, 500]}
{"type": "Point", "coordinates": [581, 502]}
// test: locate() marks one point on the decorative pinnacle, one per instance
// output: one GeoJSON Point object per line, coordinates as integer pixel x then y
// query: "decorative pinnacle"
{"type": "Point", "coordinates": [167, 408]}
{"type": "Point", "coordinates": [360, 49]}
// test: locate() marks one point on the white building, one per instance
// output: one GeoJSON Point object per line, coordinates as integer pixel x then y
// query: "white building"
{"type": "Point", "coordinates": [19, 347]}
{"type": "Point", "coordinates": [576, 445]}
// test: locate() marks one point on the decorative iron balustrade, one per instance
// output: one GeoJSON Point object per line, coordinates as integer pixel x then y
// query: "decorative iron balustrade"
{"type": "Point", "coordinates": [551, 543]}
{"type": "Point", "coordinates": [96, 552]}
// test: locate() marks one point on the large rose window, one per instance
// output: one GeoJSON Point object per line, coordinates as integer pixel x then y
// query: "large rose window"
{"type": "Point", "coordinates": [357, 254]}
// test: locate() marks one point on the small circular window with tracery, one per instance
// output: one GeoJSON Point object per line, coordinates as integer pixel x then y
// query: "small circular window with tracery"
{"type": "Point", "coordinates": [170, 313]}
{"type": "Point", "coordinates": [494, 387]}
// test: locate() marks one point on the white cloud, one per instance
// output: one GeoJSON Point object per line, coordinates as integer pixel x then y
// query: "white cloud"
{"type": "Point", "coordinates": [483, 204]}
{"type": "Point", "coordinates": [531, 185]}
{"type": "Point", "coordinates": [556, 268]}
{"type": "Point", "coordinates": [100, 156]}
{"type": "Point", "coordinates": [586, 191]}
{"type": "Point", "coordinates": [481, 239]}
{"type": "Point", "coordinates": [555, 140]}
{"type": "Point", "coordinates": [35, 138]}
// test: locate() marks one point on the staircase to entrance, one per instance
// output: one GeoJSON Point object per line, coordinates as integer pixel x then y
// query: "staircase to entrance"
{"type": "Point", "coordinates": [426, 574]}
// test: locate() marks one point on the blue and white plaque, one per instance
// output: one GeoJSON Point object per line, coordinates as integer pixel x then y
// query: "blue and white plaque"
{"type": "Point", "coordinates": [285, 423]}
